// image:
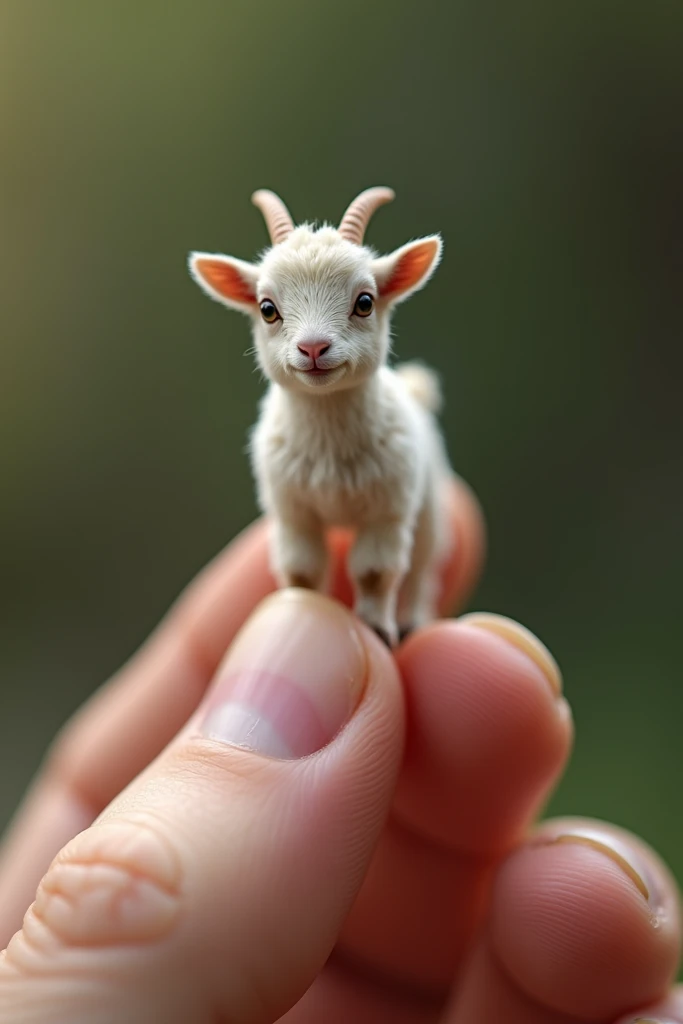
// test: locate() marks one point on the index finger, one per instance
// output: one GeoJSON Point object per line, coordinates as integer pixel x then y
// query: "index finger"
{"type": "Point", "coordinates": [133, 717]}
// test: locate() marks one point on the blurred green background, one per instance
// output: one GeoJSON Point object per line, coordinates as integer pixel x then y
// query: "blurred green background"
{"type": "Point", "coordinates": [543, 139]}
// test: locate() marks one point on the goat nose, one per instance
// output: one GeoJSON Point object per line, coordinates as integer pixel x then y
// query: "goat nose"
{"type": "Point", "coordinates": [313, 349]}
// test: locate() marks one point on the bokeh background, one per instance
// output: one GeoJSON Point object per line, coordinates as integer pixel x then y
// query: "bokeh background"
{"type": "Point", "coordinates": [545, 140]}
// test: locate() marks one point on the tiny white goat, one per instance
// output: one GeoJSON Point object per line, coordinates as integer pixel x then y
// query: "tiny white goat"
{"type": "Point", "coordinates": [342, 439]}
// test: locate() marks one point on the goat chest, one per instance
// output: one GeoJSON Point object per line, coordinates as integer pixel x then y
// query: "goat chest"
{"type": "Point", "coordinates": [345, 476]}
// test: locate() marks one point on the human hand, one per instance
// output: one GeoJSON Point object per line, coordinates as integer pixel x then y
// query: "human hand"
{"type": "Point", "coordinates": [216, 881]}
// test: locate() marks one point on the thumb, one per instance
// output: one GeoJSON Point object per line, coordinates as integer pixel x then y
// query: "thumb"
{"type": "Point", "coordinates": [215, 886]}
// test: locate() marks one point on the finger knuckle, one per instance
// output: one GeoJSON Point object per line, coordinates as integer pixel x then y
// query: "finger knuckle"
{"type": "Point", "coordinates": [119, 883]}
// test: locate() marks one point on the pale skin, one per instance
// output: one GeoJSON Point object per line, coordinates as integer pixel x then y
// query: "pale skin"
{"type": "Point", "coordinates": [397, 875]}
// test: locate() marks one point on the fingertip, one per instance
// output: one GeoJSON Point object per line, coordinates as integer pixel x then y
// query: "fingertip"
{"type": "Point", "coordinates": [463, 567]}
{"type": "Point", "coordinates": [583, 922]}
{"type": "Point", "coordinates": [661, 885]}
{"type": "Point", "coordinates": [668, 1011]}
{"type": "Point", "coordinates": [523, 640]}
{"type": "Point", "coordinates": [340, 542]}
{"type": "Point", "coordinates": [487, 736]}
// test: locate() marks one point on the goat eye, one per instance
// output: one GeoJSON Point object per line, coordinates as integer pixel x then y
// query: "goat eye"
{"type": "Point", "coordinates": [269, 311]}
{"type": "Point", "coordinates": [364, 305]}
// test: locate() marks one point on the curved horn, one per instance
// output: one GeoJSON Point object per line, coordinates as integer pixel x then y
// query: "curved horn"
{"type": "Point", "coordinates": [355, 220]}
{"type": "Point", "coordinates": [275, 214]}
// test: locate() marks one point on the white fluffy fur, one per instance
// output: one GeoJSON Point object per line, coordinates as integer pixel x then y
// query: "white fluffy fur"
{"type": "Point", "coordinates": [358, 446]}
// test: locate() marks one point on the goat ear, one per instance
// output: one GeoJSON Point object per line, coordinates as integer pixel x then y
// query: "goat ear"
{"type": "Point", "coordinates": [225, 279]}
{"type": "Point", "coordinates": [407, 269]}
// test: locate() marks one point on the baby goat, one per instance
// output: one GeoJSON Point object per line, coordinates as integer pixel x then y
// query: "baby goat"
{"type": "Point", "coordinates": [342, 439]}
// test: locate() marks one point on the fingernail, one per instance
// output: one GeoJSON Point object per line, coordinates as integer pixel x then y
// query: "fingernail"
{"type": "Point", "coordinates": [612, 847]}
{"type": "Point", "coordinates": [653, 1020]}
{"type": "Point", "coordinates": [292, 678]}
{"type": "Point", "coordinates": [523, 639]}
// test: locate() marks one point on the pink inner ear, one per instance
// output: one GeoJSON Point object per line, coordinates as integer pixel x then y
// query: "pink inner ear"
{"type": "Point", "coordinates": [226, 280]}
{"type": "Point", "coordinates": [410, 269]}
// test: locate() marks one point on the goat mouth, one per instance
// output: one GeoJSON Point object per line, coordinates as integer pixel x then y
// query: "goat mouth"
{"type": "Point", "coordinates": [320, 372]}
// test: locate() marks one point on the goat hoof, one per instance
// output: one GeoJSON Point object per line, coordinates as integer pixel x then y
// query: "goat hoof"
{"type": "Point", "coordinates": [384, 636]}
{"type": "Point", "coordinates": [300, 581]}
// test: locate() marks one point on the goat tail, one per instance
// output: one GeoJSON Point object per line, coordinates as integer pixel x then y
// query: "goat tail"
{"type": "Point", "coordinates": [423, 384]}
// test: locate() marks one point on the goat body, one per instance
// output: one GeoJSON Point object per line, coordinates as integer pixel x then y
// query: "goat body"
{"type": "Point", "coordinates": [342, 439]}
